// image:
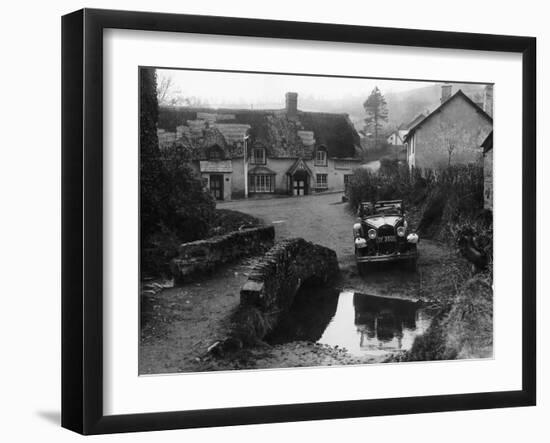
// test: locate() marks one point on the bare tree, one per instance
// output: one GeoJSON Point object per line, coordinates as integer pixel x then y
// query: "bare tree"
{"type": "Point", "coordinates": [451, 145]}
{"type": "Point", "coordinates": [168, 94]}
{"type": "Point", "coordinates": [164, 88]}
{"type": "Point", "coordinates": [448, 131]}
{"type": "Point", "coordinates": [458, 141]}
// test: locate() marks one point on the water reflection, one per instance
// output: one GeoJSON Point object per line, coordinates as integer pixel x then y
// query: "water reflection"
{"type": "Point", "coordinates": [309, 316]}
{"type": "Point", "coordinates": [361, 323]}
{"type": "Point", "coordinates": [388, 324]}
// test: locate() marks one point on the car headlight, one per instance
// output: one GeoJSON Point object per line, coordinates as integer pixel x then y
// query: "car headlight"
{"type": "Point", "coordinates": [372, 234]}
{"type": "Point", "coordinates": [412, 238]}
{"type": "Point", "coordinates": [401, 231]}
{"type": "Point", "coordinates": [357, 229]}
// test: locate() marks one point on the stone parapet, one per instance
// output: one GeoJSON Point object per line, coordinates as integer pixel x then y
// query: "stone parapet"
{"type": "Point", "coordinates": [203, 256]}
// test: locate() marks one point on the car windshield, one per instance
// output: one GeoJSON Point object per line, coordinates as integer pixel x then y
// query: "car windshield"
{"type": "Point", "coordinates": [367, 209]}
{"type": "Point", "coordinates": [388, 208]}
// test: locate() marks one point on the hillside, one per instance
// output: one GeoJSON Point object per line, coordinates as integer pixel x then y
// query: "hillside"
{"type": "Point", "coordinates": [402, 106]}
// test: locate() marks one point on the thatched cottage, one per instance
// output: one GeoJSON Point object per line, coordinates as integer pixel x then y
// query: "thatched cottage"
{"type": "Point", "coordinates": [285, 151]}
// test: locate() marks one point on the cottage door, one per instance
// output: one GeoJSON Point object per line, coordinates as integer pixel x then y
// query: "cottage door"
{"type": "Point", "coordinates": [299, 184]}
{"type": "Point", "coordinates": [216, 186]}
{"type": "Point", "coordinates": [298, 187]}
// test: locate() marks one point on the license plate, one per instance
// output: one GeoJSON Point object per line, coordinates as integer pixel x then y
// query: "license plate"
{"type": "Point", "coordinates": [386, 239]}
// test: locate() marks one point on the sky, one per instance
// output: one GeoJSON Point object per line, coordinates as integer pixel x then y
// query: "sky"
{"type": "Point", "coordinates": [267, 91]}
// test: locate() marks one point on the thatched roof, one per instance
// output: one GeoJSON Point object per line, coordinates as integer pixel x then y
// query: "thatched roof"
{"type": "Point", "coordinates": [281, 135]}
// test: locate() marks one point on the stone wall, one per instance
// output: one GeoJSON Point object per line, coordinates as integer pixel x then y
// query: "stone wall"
{"type": "Point", "coordinates": [204, 256]}
{"type": "Point", "coordinates": [274, 281]}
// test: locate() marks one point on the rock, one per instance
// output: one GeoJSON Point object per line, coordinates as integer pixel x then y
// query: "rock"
{"type": "Point", "coordinates": [215, 348]}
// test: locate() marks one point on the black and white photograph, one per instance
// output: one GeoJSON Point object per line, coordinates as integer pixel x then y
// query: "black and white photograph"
{"type": "Point", "coordinates": [295, 221]}
{"type": "Point", "coordinates": [275, 222]}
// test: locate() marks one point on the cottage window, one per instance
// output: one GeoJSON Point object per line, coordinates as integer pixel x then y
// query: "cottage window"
{"type": "Point", "coordinates": [215, 153]}
{"type": "Point", "coordinates": [262, 183]}
{"type": "Point", "coordinates": [321, 158]}
{"type": "Point", "coordinates": [258, 156]}
{"type": "Point", "coordinates": [322, 181]}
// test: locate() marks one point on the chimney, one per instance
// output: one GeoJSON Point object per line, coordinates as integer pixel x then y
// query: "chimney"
{"type": "Point", "coordinates": [446, 91]}
{"type": "Point", "coordinates": [488, 100]}
{"type": "Point", "coordinates": [291, 104]}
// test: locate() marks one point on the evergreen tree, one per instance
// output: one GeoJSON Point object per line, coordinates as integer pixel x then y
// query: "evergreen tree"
{"type": "Point", "coordinates": [377, 113]}
{"type": "Point", "coordinates": [174, 206]}
{"type": "Point", "coordinates": [152, 187]}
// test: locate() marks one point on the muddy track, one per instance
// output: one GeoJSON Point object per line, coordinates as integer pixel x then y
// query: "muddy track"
{"type": "Point", "coordinates": [325, 220]}
{"type": "Point", "coordinates": [183, 322]}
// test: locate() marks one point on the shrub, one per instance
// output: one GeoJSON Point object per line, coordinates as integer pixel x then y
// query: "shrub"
{"type": "Point", "coordinates": [455, 196]}
{"type": "Point", "coordinates": [161, 247]}
{"type": "Point", "coordinates": [389, 166]}
{"type": "Point", "coordinates": [393, 181]}
{"type": "Point", "coordinates": [188, 211]}
{"type": "Point", "coordinates": [174, 206]}
{"type": "Point", "coordinates": [227, 220]}
{"type": "Point", "coordinates": [443, 199]}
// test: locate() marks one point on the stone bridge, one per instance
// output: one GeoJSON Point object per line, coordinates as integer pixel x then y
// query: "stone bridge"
{"type": "Point", "coordinates": [203, 256]}
{"type": "Point", "coordinates": [274, 281]}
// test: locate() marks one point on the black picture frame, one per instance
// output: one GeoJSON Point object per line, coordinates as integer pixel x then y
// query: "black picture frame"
{"type": "Point", "coordinates": [82, 218]}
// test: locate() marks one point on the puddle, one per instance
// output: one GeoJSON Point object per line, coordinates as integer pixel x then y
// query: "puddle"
{"type": "Point", "coordinates": [363, 324]}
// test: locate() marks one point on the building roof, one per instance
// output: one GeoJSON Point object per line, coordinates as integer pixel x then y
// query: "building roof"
{"type": "Point", "coordinates": [299, 165]}
{"type": "Point", "coordinates": [261, 170]}
{"type": "Point", "coordinates": [396, 132]}
{"type": "Point", "coordinates": [441, 107]}
{"type": "Point", "coordinates": [282, 135]}
{"type": "Point", "coordinates": [415, 121]}
{"type": "Point", "coordinates": [487, 144]}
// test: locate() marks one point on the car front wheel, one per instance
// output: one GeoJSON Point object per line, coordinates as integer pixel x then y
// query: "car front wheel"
{"type": "Point", "coordinates": [411, 264]}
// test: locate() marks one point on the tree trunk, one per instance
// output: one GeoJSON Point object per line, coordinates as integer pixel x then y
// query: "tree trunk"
{"type": "Point", "coordinates": [375, 131]}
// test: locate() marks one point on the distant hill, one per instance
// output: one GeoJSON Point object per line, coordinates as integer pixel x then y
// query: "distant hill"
{"type": "Point", "coordinates": [404, 106]}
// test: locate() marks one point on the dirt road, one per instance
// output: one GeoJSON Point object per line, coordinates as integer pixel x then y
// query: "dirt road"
{"type": "Point", "coordinates": [326, 220]}
{"type": "Point", "coordinates": [183, 322]}
{"type": "Point", "coordinates": [320, 218]}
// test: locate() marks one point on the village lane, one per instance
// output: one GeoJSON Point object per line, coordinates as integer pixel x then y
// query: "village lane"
{"type": "Point", "coordinates": [320, 218]}
{"type": "Point", "coordinates": [324, 219]}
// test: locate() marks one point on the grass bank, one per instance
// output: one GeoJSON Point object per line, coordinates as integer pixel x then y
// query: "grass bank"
{"type": "Point", "coordinates": [163, 245]}
{"type": "Point", "coordinates": [444, 205]}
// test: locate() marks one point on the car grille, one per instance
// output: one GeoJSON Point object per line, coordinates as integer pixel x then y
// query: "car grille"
{"type": "Point", "coordinates": [387, 243]}
{"type": "Point", "coordinates": [385, 230]}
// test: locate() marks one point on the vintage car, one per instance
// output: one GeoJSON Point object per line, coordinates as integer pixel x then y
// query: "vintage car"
{"type": "Point", "coordinates": [381, 234]}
